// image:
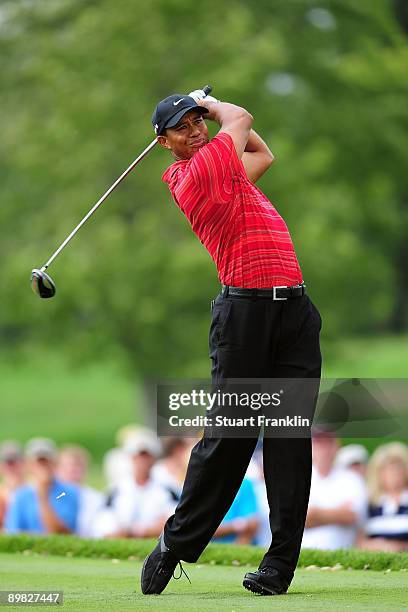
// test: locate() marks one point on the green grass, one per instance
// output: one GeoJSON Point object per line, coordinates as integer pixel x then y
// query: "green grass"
{"type": "Point", "coordinates": [96, 584]}
{"type": "Point", "coordinates": [370, 357]}
{"type": "Point", "coordinates": [86, 405]}
{"type": "Point", "coordinates": [44, 395]}
{"type": "Point", "coordinates": [217, 554]}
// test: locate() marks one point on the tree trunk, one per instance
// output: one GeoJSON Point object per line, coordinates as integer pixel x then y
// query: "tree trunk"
{"type": "Point", "coordinates": [399, 316]}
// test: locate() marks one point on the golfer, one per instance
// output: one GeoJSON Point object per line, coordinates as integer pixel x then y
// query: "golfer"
{"type": "Point", "coordinates": [263, 326]}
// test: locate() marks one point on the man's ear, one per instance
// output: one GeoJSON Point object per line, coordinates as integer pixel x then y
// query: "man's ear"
{"type": "Point", "coordinates": [163, 142]}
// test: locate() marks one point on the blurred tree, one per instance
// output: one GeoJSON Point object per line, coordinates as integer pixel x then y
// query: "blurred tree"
{"type": "Point", "coordinates": [326, 84]}
{"type": "Point", "coordinates": [400, 313]}
{"type": "Point", "coordinates": [401, 13]}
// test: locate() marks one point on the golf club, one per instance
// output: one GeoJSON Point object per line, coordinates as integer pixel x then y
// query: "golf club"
{"type": "Point", "coordinates": [41, 283]}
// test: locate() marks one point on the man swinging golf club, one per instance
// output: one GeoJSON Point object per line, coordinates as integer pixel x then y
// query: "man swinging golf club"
{"type": "Point", "coordinates": [263, 326]}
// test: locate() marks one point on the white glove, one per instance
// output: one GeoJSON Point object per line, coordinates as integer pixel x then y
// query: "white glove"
{"type": "Point", "coordinates": [199, 94]}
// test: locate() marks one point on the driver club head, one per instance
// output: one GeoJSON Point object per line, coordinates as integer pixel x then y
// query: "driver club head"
{"type": "Point", "coordinates": [42, 284]}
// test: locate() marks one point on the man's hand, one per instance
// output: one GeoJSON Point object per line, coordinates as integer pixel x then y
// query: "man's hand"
{"type": "Point", "coordinates": [42, 471]}
{"type": "Point", "coordinates": [42, 477]}
{"type": "Point", "coordinates": [199, 94]}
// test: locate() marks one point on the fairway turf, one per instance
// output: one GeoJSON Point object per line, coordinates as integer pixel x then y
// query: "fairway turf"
{"type": "Point", "coordinates": [95, 584]}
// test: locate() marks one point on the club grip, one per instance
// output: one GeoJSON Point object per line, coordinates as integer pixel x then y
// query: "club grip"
{"type": "Point", "coordinates": [207, 89]}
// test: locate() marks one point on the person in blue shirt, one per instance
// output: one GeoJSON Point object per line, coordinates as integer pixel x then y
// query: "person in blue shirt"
{"type": "Point", "coordinates": [46, 505]}
{"type": "Point", "coordinates": [241, 521]}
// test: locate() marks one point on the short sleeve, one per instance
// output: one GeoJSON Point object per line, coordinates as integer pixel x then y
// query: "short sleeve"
{"type": "Point", "coordinates": [67, 507]}
{"type": "Point", "coordinates": [249, 505]}
{"type": "Point", "coordinates": [14, 519]}
{"type": "Point", "coordinates": [214, 167]}
{"type": "Point", "coordinates": [244, 504]}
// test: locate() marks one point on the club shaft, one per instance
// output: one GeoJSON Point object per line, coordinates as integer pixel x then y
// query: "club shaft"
{"type": "Point", "coordinates": [99, 202]}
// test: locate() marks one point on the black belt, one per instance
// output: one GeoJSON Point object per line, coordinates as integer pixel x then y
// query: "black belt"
{"type": "Point", "coordinates": [275, 293]}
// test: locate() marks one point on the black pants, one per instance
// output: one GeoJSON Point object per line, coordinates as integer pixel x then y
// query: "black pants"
{"type": "Point", "coordinates": [252, 338]}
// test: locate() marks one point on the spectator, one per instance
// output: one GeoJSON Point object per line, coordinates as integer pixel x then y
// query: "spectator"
{"type": "Point", "coordinates": [117, 465]}
{"type": "Point", "coordinates": [337, 503]}
{"type": "Point", "coordinates": [170, 471]}
{"type": "Point", "coordinates": [140, 506]}
{"type": "Point", "coordinates": [11, 472]}
{"type": "Point", "coordinates": [353, 457]}
{"type": "Point", "coordinates": [72, 467]}
{"type": "Point", "coordinates": [241, 521]}
{"type": "Point", "coordinates": [387, 524]}
{"type": "Point", "coordinates": [263, 535]}
{"type": "Point", "coordinates": [46, 505]}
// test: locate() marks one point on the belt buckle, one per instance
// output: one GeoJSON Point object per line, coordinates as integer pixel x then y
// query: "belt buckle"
{"type": "Point", "coordinates": [274, 297]}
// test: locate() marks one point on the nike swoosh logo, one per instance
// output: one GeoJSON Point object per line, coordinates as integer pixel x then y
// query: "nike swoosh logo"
{"type": "Point", "coordinates": [178, 102]}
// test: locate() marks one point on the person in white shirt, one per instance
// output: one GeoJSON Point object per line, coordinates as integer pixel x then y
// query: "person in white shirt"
{"type": "Point", "coordinates": [170, 471]}
{"type": "Point", "coordinates": [140, 506]}
{"type": "Point", "coordinates": [338, 499]}
{"type": "Point", "coordinates": [116, 463]}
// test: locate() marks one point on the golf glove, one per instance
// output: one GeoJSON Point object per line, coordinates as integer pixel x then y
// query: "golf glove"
{"type": "Point", "coordinates": [199, 94]}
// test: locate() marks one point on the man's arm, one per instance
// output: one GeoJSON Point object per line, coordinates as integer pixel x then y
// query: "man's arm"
{"type": "Point", "coordinates": [341, 515]}
{"type": "Point", "coordinates": [234, 120]}
{"type": "Point", "coordinates": [243, 528]}
{"type": "Point", "coordinates": [43, 479]}
{"type": "Point", "coordinates": [51, 522]}
{"type": "Point", "coordinates": [382, 544]}
{"type": "Point", "coordinates": [257, 157]}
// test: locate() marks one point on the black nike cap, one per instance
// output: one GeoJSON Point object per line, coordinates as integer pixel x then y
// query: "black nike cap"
{"type": "Point", "coordinates": [169, 111]}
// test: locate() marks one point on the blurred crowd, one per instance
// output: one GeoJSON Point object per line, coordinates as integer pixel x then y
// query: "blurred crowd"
{"type": "Point", "coordinates": [356, 500]}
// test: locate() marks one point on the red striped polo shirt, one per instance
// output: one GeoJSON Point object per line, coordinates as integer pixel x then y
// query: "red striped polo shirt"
{"type": "Point", "coordinates": [244, 234]}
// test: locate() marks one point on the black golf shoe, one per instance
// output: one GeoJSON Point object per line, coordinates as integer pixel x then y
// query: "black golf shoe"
{"type": "Point", "coordinates": [158, 568]}
{"type": "Point", "coordinates": [266, 581]}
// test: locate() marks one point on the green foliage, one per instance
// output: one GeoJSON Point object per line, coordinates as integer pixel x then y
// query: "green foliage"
{"type": "Point", "coordinates": [215, 554]}
{"type": "Point", "coordinates": [84, 405]}
{"type": "Point", "coordinates": [44, 394]}
{"type": "Point", "coordinates": [78, 83]}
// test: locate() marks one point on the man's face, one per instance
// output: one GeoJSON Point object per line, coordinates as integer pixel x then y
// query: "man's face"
{"type": "Point", "coordinates": [187, 137]}
{"type": "Point", "coordinates": [12, 467]}
{"type": "Point", "coordinates": [324, 452]}
{"type": "Point", "coordinates": [142, 464]}
{"type": "Point", "coordinates": [71, 467]}
{"type": "Point", "coordinates": [41, 467]}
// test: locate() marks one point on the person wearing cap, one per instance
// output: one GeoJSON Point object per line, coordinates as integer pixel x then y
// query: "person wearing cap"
{"type": "Point", "coordinates": [140, 506]}
{"type": "Point", "coordinates": [46, 505]}
{"type": "Point", "coordinates": [264, 325]}
{"type": "Point", "coordinates": [338, 498]}
{"type": "Point", "coordinates": [11, 474]}
{"type": "Point", "coordinates": [116, 463]}
{"type": "Point", "coordinates": [353, 457]}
